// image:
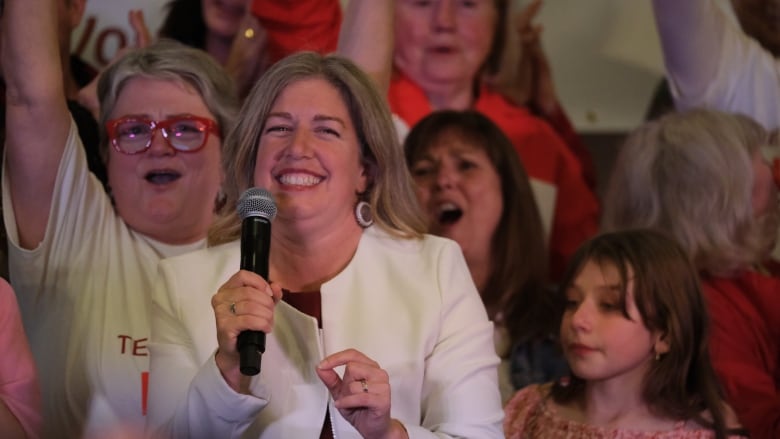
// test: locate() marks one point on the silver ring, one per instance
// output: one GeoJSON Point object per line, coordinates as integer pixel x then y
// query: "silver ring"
{"type": "Point", "coordinates": [365, 385]}
{"type": "Point", "coordinates": [233, 308]}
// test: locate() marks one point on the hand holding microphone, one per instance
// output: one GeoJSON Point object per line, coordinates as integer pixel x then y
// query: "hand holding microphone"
{"type": "Point", "coordinates": [247, 299]}
{"type": "Point", "coordinates": [257, 209]}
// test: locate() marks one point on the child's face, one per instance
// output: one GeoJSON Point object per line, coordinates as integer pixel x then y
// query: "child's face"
{"type": "Point", "coordinates": [599, 342]}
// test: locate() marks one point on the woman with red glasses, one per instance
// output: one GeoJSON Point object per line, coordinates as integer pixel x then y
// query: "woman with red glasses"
{"type": "Point", "coordinates": [82, 261]}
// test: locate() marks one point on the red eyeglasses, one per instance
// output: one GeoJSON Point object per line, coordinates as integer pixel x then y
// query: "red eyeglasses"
{"type": "Point", "coordinates": [133, 135]}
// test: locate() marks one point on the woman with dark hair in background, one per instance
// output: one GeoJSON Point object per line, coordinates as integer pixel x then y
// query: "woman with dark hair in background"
{"type": "Point", "coordinates": [82, 260]}
{"type": "Point", "coordinates": [443, 52]}
{"type": "Point", "coordinates": [474, 189]}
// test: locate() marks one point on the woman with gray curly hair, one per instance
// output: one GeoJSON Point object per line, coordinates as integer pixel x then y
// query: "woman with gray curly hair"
{"type": "Point", "coordinates": [82, 260]}
{"type": "Point", "coordinates": [701, 177]}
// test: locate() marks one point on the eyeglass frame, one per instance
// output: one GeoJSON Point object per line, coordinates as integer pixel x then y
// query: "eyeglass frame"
{"type": "Point", "coordinates": [211, 127]}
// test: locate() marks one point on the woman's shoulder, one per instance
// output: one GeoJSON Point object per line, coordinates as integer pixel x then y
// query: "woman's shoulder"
{"type": "Point", "coordinates": [220, 251]}
{"type": "Point", "coordinates": [428, 244]}
{"type": "Point", "coordinates": [220, 258]}
{"type": "Point", "coordinates": [428, 258]}
{"type": "Point", "coordinates": [187, 282]}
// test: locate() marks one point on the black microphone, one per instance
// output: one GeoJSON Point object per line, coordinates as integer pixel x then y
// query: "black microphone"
{"type": "Point", "coordinates": [257, 209]}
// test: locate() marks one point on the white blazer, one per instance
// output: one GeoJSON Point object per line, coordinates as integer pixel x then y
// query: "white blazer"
{"type": "Point", "coordinates": [410, 305]}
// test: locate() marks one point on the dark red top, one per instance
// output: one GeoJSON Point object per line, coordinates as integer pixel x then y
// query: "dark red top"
{"type": "Point", "coordinates": [745, 346]}
{"type": "Point", "coordinates": [293, 26]}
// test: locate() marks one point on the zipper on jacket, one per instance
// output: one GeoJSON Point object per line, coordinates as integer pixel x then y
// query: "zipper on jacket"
{"type": "Point", "coordinates": [332, 407]}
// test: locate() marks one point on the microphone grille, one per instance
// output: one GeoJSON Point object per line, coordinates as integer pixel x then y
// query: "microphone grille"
{"type": "Point", "coordinates": [256, 201]}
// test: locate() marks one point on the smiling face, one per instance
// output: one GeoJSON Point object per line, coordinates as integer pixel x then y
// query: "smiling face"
{"type": "Point", "coordinates": [460, 190]}
{"type": "Point", "coordinates": [601, 344]}
{"type": "Point", "coordinates": [308, 156]}
{"type": "Point", "coordinates": [223, 17]}
{"type": "Point", "coordinates": [162, 193]}
{"type": "Point", "coordinates": [443, 41]}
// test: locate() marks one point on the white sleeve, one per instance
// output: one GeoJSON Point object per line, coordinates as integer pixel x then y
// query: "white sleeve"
{"type": "Point", "coordinates": [188, 398]}
{"type": "Point", "coordinates": [710, 62]}
{"type": "Point", "coordinates": [691, 34]}
{"type": "Point", "coordinates": [460, 394]}
{"type": "Point", "coordinates": [79, 214]}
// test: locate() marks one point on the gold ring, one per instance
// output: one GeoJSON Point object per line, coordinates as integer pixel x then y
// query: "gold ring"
{"type": "Point", "coordinates": [233, 308]}
{"type": "Point", "coordinates": [365, 385]}
{"type": "Point", "coordinates": [249, 33]}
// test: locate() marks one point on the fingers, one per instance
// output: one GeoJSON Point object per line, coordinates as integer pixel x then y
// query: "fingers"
{"type": "Point", "coordinates": [362, 395]}
{"type": "Point", "coordinates": [362, 378]}
{"type": "Point", "coordinates": [245, 302]}
{"type": "Point", "coordinates": [357, 393]}
{"type": "Point", "coordinates": [142, 35]}
{"type": "Point", "coordinates": [527, 15]}
{"type": "Point", "coordinates": [330, 378]}
{"type": "Point", "coordinates": [248, 295]}
{"type": "Point", "coordinates": [531, 36]}
{"type": "Point", "coordinates": [343, 357]}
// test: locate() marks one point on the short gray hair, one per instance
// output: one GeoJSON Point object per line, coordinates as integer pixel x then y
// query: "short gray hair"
{"type": "Point", "coordinates": [691, 175]}
{"type": "Point", "coordinates": [171, 61]}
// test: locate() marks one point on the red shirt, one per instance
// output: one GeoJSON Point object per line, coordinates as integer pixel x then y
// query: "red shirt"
{"type": "Point", "coordinates": [745, 346]}
{"type": "Point", "coordinates": [543, 154]}
{"type": "Point", "coordinates": [295, 25]}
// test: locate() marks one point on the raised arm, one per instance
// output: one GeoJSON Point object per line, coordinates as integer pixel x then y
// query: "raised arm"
{"type": "Point", "coordinates": [366, 38]}
{"type": "Point", "coordinates": [37, 118]}
{"type": "Point", "coordinates": [691, 34]}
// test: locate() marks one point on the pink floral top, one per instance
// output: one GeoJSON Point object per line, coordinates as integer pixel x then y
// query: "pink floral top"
{"type": "Point", "coordinates": [528, 416]}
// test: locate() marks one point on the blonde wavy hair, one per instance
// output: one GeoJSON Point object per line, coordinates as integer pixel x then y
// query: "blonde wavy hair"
{"type": "Point", "coordinates": [390, 193]}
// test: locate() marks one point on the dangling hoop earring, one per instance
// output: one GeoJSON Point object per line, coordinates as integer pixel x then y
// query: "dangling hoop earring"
{"type": "Point", "coordinates": [363, 214]}
{"type": "Point", "coordinates": [220, 201]}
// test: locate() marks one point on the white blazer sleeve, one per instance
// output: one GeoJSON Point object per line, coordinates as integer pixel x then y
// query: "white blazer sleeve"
{"type": "Point", "coordinates": [460, 390]}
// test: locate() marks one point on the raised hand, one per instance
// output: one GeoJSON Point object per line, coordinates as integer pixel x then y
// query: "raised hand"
{"type": "Point", "coordinates": [248, 57]}
{"type": "Point", "coordinates": [87, 96]}
{"type": "Point", "coordinates": [362, 395]}
{"type": "Point", "coordinates": [143, 37]}
{"type": "Point", "coordinates": [526, 76]}
{"type": "Point", "coordinates": [534, 61]}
